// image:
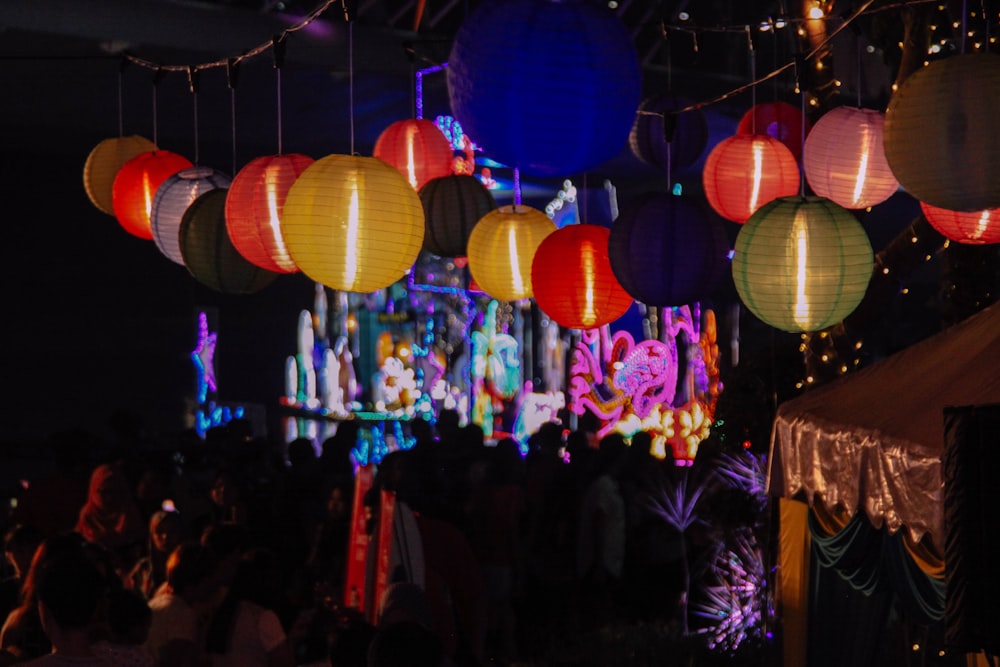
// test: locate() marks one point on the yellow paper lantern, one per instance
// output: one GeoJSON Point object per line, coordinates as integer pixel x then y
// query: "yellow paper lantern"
{"type": "Point", "coordinates": [802, 263]}
{"type": "Point", "coordinates": [844, 160]}
{"type": "Point", "coordinates": [501, 248]}
{"type": "Point", "coordinates": [941, 130]}
{"type": "Point", "coordinates": [353, 223]}
{"type": "Point", "coordinates": [103, 163]}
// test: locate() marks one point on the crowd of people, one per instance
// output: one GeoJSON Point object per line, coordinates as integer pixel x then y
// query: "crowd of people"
{"type": "Point", "coordinates": [232, 550]}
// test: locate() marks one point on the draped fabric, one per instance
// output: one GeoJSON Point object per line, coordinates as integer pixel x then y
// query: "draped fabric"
{"type": "Point", "coordinates": [793, 580]}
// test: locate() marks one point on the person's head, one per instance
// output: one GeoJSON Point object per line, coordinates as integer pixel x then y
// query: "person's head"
{"type": "Point", "coordinates": [165, 531]}
{"type": "Point", "coordinates": [338, 500]}
{"type": "Point", "coordinates": [109, 488]}
{"type": "Point", "coordinates": [69, 593]}
{"type": "Point", "coordinates": [405, 644]}
{"type": "Point", "coordinates": [225, 490]}
{"type": "Point", "coordinates": [51, 548]}
{"type": "Point", "coordinates": [190, 571]}
{"type": "Point", "coordinates": [129, 616]}
{"type": "Point", "coordinates": [20, 544]}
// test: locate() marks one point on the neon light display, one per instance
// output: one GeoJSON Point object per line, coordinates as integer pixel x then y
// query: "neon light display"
{"type": "Point", "coordinates": [496, 369]}
{"type": "Point", "coordinates": [536, 409]}
{"type": "Point", "coordinates": [633, 387]}
{"type": "Point", "coordinates": [203, 357]}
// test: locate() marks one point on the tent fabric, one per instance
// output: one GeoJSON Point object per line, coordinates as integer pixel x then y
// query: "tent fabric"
{"type": "Point", "coordinates": [874, 440]}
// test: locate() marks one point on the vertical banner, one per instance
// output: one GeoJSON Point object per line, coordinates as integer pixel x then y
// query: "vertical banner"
{"type": "Point", "coordinates": [357, 545]}
{"type": "Point", "coordinates": [383, 546]}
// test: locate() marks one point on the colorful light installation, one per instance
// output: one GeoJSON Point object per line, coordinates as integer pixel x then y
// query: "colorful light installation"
{"type": "Point", "coordinates": [746, 171]}
{"type": "Point", "coordinates": [254, 208]}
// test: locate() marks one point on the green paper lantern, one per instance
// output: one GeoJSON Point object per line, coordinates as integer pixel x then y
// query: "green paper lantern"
{"type": "Point", "coordinates": [802, 263]}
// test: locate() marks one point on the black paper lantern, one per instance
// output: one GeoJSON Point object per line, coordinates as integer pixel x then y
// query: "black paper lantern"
{"type": "Point", "coordinates": [452, 207]}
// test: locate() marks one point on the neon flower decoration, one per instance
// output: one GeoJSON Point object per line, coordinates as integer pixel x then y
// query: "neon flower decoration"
{"type": "Point", "coordinates": [634, 387]}
{"type": "Point", "coordinates": [496, 369]}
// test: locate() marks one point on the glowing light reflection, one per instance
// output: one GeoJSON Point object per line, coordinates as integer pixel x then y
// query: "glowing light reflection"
{"type": "Point", "coordinates": [351, 260]}
{"type": "Point", "coordinates": [758, 171]}
{"type": "Point", "coordinates": [801, 262]}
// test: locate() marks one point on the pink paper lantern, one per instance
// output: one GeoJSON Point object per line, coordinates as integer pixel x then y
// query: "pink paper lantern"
{"type": "Point", "coordinates": [746, 171]}
{"type": "Point", "coordinates": [844, 159]}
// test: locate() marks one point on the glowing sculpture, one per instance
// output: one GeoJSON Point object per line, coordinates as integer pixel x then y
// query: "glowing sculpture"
{"type": "Point", "coordinates": [496, 369]}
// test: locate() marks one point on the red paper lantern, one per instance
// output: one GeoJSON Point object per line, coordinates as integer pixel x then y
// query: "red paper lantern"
{"type": "Point", "coordinates": [744, 172]}
{"type": "Point", "coordinates": [970, 227]}
{"type": "Point", "coordinates": [135, 188]}
{"type": "Point", "coordinates": [417, 148]}
{"type": "Point", "coordinates": [573, 280]}
{"type": "Point", "coordinates": [778, 120]}
{"type": "Point", "coordinates": [254, 206]}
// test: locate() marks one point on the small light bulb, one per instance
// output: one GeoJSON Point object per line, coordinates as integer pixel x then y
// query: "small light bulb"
{"type": "Point", "coordinates": [816, 13]}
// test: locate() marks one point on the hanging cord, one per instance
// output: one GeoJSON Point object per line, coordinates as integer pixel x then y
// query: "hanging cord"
{"type": "Point", "coordinates": [800, 64]}
{"type": "Point", "coordinates": [857, 56]}
{"type": "Point", "coordinates": [231, 76]}
{"type": "Point", "coordinates": [965, 25]}
{"type": "Point", "coordinates": [193, 86]}
{"type": "Point", "coordinates": [121, 115]}
{"type": "Point", "coordinates": [350, 70]}
{"type": "Point", "coordinates": [278, 51]}
{"type": "Point", "coordinates": [157, 77]}
{"type": "Point", "coordinates": [753, 86]}
{"type": "Point", "coordinates": [517, 188]}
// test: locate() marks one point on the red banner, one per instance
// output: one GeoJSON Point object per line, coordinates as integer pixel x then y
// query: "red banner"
{"type": "Point", "coordinates": [386, 515]}
{"type": "Point", "coordinates": [357, 555]}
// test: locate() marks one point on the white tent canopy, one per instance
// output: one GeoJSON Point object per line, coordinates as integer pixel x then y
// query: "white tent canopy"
{"type": "Point", "coordinates": [875, 439]}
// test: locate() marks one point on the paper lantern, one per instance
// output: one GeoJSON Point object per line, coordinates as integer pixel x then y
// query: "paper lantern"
{"type": "Point", "coordinates": [417, 148]}
{"type": "Point", "coordinates": [103, 163]}
{"type": "Point", "coordinates": [744, 172]}
{"type": "Point", "coordinates": [574, 283]}
{"type": "Point", "coordinates": [172, 199]}
{"type": "Point", "coordinates": [649, 141]}
{"type": "Point", "coordinates": [548, 87]}
{"type": "Point", "coordinates": [254, 206]}
{"type": "Point", "coordinates": [668, 251]}
{"type": "Point", "coordinates": [941, 133]}
{"type": "Point", "coordinates": [135, 188]}
{"type": "Point", "coordinates": [353, 223]}
{"type": "Point", "coordinates": [779, 120]}
{"type": "Point", "coordinates": [501, 248]}
{"type": "Point", "coordinates": [210, 255]}
{"type": "Point", "coordinates": [971, 227]}
{"type": "Point", "coordinates": [802, 263]}
{"type": "Point", "coordinates": [452, 207]}
{"type": "Point", "coordinates": [844, 159]}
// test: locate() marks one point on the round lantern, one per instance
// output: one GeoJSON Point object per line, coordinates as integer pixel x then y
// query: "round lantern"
{"type": "Point", "coordinates": [452, 207]}
{"type": "Point", "coordinates": [779, 120]}
{"type": "Point", "coordinates": [103, 163]}
{"type": "Point", "coordinates": [802, 263]}
{"type": "Point", "coordinates": [574, 283]}
{"type": "Point", "coordinates": [941, 130]}
{"type": "Point", "coordinates": [417, 148]}
{"type": "Point", "coordinates": [210, 255]}
{"type": "Point", "coordinates": [745, 171]}
{"type": "Point", "coordinates": [254, 206]}
{"type": "Point", "coordinates": [172, 199]}
{"type": "Point", "coordinates": [353, 223]}
{"type": "Point", "coordinates": [135, 188]}
{"type": "Point", "coordinates": [649, 141]}
{"type": "Point", "coordinates": [501, 248]}
{"type": "Point", "coordinates": [549, 87]}
{"type": "Point", "coordinates": [971, 227]}
{"type": "Point", "coordinates": [667, 251]}
{"type": "Point", "coordinates": [844, 160]}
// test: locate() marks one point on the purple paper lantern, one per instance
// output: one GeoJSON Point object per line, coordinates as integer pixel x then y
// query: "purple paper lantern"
{"type": "Point", "coordinates": [173, 198]}
{"type": "Point", "coordinates": [649, 141]}
{"type": "Point", "coordinates": [548, 87]}
{"type": "Point", "coordinates": [668, 251]}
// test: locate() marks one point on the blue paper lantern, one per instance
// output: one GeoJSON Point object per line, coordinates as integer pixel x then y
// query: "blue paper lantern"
{"type": "Point", "coordinates": [668, 251]}
{"type": "Point", "coordinates": [548, 87]}
{"type": "Point", "coordinates": [649, 138]}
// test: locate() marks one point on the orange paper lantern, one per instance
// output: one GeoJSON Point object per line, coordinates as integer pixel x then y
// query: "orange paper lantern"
{"type": "Point", "coordinates": [353, 223]}
{"type": "Point", "coordinates": [501, 248]}
{"type": "Point", "coordinates": [417, 148]}
{"type": "Point", "coordinates": [135, 188]}
{"type": "Point", "coordinates": [746, 171]}
{"type": "Point", "coordinates": [254, 206]}
{"type": "Point", "coordinates": [574, 283]}
{"type": "Point", "coordinates": [970, 227]}
{"type": "Point", "coordinates": [103, 163]}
